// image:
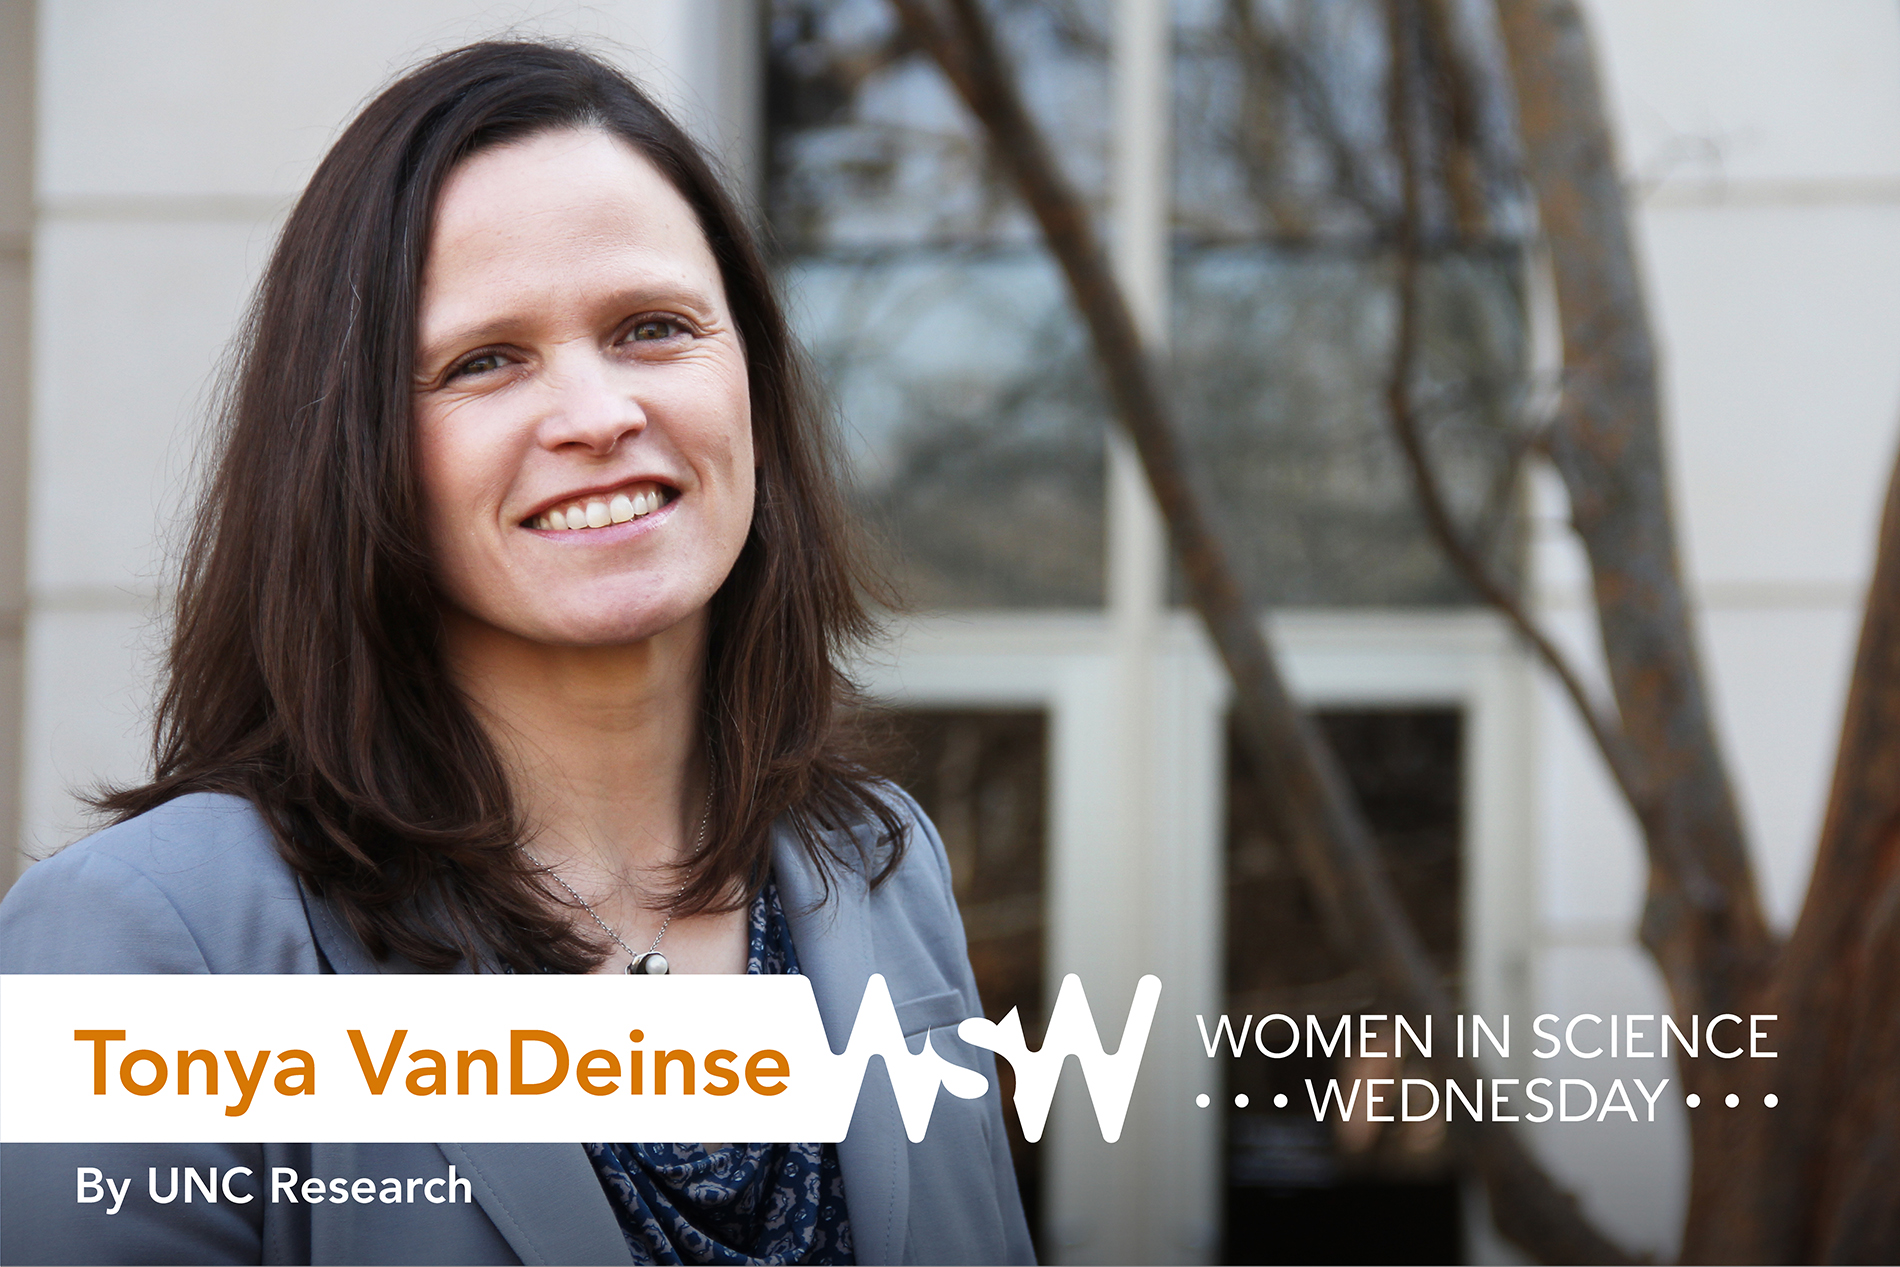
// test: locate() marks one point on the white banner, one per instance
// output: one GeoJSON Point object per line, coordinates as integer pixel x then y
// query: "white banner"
{"type": "Point", "coordinates": [498, 1058]}
{"type": "Point", "coordinates": [507, 1059]}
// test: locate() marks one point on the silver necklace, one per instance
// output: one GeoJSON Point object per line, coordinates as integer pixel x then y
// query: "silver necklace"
{"type": "Point", "coordinates": [650, 963]}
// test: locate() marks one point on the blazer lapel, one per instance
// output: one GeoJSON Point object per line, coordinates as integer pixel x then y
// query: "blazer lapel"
{"type": "Point", "coordinates": [336, 945]}
{"type": "Point", "coordinates": [339, 948]}
{"type": "Point", "coordinates": [835, 951]}
{"type": "Point", "coordinates": [544, 1199]}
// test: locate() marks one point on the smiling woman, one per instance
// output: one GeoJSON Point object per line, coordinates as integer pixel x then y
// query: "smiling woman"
{"type": "Point", "coordinates": [507, 639]}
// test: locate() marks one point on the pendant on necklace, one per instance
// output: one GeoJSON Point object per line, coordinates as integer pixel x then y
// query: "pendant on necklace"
{"type": "Point", "coordinates": [651, 964]}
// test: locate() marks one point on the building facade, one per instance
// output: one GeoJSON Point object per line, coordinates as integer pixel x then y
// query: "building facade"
{"type": "Point", "coordinates": [148, 154]}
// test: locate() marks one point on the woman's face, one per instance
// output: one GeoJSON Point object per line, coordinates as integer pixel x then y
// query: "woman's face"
{"type": "Point", "coordinates": [582, 421]}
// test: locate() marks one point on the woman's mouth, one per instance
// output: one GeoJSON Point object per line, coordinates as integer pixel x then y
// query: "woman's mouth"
{"type": "Point", "coordinates": [635, 501]}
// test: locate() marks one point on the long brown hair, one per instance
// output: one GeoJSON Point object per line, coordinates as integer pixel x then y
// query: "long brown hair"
{"type": "Point", "coordinates": [305, 670]}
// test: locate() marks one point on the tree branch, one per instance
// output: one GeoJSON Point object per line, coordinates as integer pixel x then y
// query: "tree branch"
{"type": "Point", "coordinates": [1704, 921]}
{"type": "Point", "coordinates": [1459, 110]}
{"type": "Point", "coordinates": [1604, 730]}
{"type": "Point", "coordinates": [1330, 836]}
{"type": "Point", "coordinates": [1265, 46]}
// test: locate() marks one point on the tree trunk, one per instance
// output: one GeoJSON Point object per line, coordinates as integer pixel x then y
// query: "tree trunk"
{"type": "Point", "coordinates": [1829, 1177]}
{"type": "Point", "coordinates": [1702, 920]}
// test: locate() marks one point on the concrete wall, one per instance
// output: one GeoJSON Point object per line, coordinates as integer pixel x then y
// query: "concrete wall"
{"type": "Point", "coordinates": [16, 256]}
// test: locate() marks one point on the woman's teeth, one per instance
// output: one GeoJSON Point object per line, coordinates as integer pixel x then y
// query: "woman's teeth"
{"type": "Point", "coordinates": [598, 512]}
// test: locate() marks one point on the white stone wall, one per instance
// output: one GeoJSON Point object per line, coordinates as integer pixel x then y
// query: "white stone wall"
{"type": "Point", "coordinates": [16, 238]}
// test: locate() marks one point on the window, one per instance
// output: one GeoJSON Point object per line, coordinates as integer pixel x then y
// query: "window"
{"type": "Point", "coordinates": [972, 420]}
{"type": "Point", "coordinates": [1299, 1190]}
{"type": "Point", "coordinates": [1286, 205]}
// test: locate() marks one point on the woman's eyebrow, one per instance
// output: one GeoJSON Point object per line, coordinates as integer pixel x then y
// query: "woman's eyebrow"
{"type": "Point", "coordinates": [631, 299]}
{"type": "Point", "coordinates": [471, 335]}
{"type": "Point", "coordinates": [615, 306]}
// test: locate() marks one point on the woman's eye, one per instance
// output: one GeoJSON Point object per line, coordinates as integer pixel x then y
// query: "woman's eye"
{"type": "Point", "coordinates": [483, 364]}
{"type": "Point", "coordinates": [651, 329]}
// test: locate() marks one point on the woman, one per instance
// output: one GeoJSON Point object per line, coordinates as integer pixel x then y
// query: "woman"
{"type": "Point", "coordinates": [507, 641]}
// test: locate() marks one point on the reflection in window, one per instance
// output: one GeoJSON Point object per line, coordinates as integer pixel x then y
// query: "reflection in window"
{"type": "Point", "coordinates": [1286, 203]}
{"type": "Point", "coordinates": [972, 419]}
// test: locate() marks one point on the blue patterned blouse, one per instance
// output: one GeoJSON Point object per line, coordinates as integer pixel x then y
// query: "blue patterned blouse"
{"type": "Point", "coordinates": [744, 1203]}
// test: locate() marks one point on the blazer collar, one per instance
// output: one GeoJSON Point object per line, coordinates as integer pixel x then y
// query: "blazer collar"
{"type": "Point", "coordinates": [833, 937]}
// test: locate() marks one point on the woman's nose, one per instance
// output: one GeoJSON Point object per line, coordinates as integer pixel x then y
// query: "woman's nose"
{"type": "Point", "coordinates": [591, 404]}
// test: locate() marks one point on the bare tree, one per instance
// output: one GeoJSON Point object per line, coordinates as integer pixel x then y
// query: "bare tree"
{"type": "Point", "coordinates": [1814, 1180]}
{"type": "Point", "coordinates": [1316, 811]}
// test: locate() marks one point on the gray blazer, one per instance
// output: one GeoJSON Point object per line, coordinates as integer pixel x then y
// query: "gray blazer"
{"type": "Point", "coordinates": [198, 886]}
